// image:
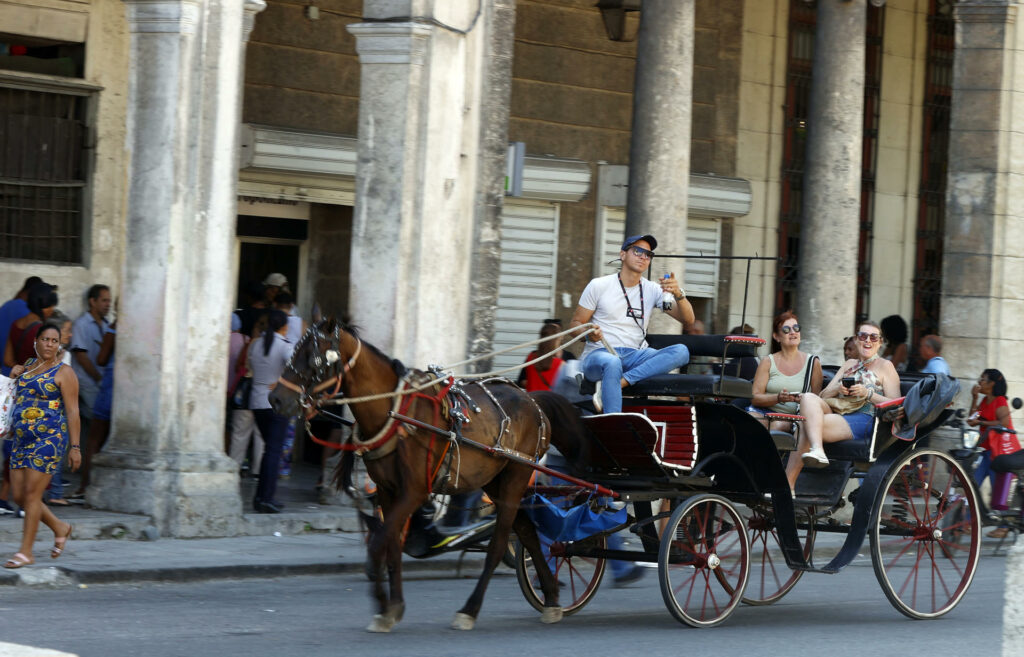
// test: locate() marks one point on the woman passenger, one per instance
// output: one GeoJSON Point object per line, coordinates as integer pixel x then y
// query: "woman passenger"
{"type": "Point", "coordinates": [876, 382]}
{"type": "Point", "coordinates": [780, 378]}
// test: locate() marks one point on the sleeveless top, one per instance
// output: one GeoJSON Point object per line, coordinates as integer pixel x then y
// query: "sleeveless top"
{"type": "Point", "coordinates": [39, 406]}
{"type": "Point", "coordinates": [869, 380]}
{"type": "Point", "coordinates": [777, 382]}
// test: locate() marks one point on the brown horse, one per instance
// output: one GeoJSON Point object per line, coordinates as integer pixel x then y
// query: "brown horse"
{"type": "Point", "coordinates": [408, 463]}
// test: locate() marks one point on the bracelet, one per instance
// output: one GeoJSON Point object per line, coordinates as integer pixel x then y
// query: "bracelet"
{"type": "Point", "coordinates": [681, 296]}
{"type": "Point", "coordinates": [78, 447]}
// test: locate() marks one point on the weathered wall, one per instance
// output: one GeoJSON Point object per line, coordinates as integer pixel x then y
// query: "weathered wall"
{"type": "Point", "coordinates": [330, 234]}
{"type": "Point", "coordinates": [303, 73]}
{"type": "Point", "coordinates": [106, 65]}
{"type": "Point", "coordinates": [572, 97]}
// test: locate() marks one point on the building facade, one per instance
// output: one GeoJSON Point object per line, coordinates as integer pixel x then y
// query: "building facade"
{"type": "Point", "coordinates": [181, 149]}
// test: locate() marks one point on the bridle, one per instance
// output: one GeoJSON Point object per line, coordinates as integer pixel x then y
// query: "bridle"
{"type": "Point", "coordinates": [321, 364]}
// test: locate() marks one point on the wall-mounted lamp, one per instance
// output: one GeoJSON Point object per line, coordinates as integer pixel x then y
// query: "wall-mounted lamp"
{"type": "Point", "coordinates": [614, 14]}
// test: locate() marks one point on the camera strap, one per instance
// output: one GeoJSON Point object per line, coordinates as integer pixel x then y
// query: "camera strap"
{"type": "Point", "coordinates": [630, 310]}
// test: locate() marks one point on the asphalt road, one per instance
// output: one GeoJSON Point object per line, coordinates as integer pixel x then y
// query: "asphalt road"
{"type": "Point", "coordinates": [837, 615]}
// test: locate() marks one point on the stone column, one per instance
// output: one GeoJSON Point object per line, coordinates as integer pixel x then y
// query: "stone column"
{"type": "Point", "coordinates": [419, 143]}
{"type": "Point", "coordinates": [495, 92]}
{"type": "Point", "coordinates": [165, 456]}
{"type": "Point", "coordinates": [983, 267]}
{"type": "Point", "coordinates": [659, 150]}
{"type": "Point", "coordinates": [830, 221]}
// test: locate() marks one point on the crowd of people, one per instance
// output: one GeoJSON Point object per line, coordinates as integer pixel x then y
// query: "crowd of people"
{"type": "Point", "coordinates": [59, 386]}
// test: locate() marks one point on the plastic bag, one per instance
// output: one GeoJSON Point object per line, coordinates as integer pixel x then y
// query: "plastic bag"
{"type": "Point", "coordinates": [559, 522]}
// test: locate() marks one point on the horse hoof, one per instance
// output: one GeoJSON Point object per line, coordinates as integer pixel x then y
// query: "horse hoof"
{"type": "Point", "coordinates": [464, 621]}
{"type": "Point", "coordinates": [381, 623]}
{"type": "Point", "coordinates": [551, 615]}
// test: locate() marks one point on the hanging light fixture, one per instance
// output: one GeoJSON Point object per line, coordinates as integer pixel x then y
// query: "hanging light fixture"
{"type": "Point", "coordinates": [614, 14]}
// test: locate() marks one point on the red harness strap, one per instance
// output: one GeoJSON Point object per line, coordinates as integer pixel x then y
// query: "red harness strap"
{"type": "Point", "coordinates": [387, 435]}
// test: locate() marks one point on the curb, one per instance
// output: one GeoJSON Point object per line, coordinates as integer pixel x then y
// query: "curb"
{"type": "Point", "coordinates": [68, 577]}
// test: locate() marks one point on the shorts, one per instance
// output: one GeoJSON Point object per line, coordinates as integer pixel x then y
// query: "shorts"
{"type": "Point", "coordinates": [860, 425]}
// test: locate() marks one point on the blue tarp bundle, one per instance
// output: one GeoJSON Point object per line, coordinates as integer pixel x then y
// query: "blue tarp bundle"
{"type": "Point", "coordinates": [558, 523]}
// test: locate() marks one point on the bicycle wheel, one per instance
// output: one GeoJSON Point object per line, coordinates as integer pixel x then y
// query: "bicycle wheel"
{"type": "Point", "coordinates": [925, 534]}
{"type": "Point", "coordinates": [578, 577]}
{"type": "Point", "coordinates": [770, 577]}
{"type": "Point", "coordinates": [704, 561]}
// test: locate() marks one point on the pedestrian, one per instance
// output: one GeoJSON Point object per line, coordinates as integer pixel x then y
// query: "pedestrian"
{"type": "Point", "coordinates": [243, 427]}
{"type": "Point", "coordinates": [895, 332]}
{"type": "Point", "coordinates": [930, 347]}
{"type": "Point", "coordinates": [15, 309]}
{"type": "Point", "coordinates": [273, 285]}
{"type": "Point", "coordinates": [54, 495]}
{"type": "Point", "coordinates": [99, 426]}
{"type": "Point", "coordinates": [297, 326]}
{"type": "Point", "coordinates": [85, 346]}
{"type": "Point", "coordinates": [621, 305]}
{"type": "Point", "coordinates": [544, 373]}
{"type": "Point", "coordinates": [46, 430]}
{"type": "Point", "coordinates": [20, 346]}
{"type": "Point", "coordinates": [268, 357]}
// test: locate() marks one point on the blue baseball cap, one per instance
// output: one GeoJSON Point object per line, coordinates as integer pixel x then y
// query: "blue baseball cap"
{"type": "Point", "coordinates": [630, 241]}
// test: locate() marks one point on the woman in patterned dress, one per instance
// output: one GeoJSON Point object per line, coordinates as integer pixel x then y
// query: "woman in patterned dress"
{"type": "Point", "coordinates": [46, 427]}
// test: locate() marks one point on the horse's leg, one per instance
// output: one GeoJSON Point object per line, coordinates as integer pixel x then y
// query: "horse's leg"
{"type": "Point", "coordinates": [392, 607]}
{"type": "Point", "coordinates": [527, 533]}
{"type": "Point", "coordinates": [376, 553]}
{"type": "Point", "coordinates": [506, 491]}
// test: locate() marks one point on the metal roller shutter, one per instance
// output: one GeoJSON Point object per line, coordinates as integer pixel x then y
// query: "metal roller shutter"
{"type": "Point", "coordinates": [703, 236]}
{"type": "Point", "coordinates": [526, 283]}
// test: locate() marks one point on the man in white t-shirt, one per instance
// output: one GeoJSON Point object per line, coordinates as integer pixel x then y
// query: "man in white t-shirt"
{"type": "Point", "coordinates": [622, 305]}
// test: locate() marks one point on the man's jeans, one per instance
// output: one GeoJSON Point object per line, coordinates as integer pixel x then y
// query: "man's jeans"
{"type": "Point", "coordinates": [630, 364]}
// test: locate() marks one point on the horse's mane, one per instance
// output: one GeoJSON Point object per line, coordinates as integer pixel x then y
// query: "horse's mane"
{"type": "Point", "coordinates": [396, 365]}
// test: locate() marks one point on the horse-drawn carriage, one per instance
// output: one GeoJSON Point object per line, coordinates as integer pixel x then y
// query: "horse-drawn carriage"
{"type": "Point", "coordinates": [734, 532]}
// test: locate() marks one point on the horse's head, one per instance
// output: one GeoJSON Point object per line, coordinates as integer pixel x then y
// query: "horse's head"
{"type": "Point", "coordinates": [318, 364]}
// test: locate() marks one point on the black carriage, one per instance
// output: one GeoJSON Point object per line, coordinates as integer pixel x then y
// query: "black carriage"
{"type": "Point", "coordinates": [735, 533]}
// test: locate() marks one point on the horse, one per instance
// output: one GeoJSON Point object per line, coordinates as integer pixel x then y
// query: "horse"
{"type": "Point", "coordinates": [409, 462]}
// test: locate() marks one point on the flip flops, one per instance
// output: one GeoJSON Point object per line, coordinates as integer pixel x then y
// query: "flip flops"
{"type": "Point", "coordinates": [19, 560]}
{"type": "Point", "coordinates": [60, 543]}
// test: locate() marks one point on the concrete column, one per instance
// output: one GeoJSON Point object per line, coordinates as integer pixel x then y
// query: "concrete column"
{"type": "Point", "coordinates": [495, 93]}
{"type": "Point", "coordinates": [659, 150]}
{"type": "Point", "coordinates": [983, 253]}
{"type": "Point", "coordinates": [830, 222]}
{"type": "Point", "coordinates": [416, 188]}
{"type": "Point", "coordinates": [165, 456]}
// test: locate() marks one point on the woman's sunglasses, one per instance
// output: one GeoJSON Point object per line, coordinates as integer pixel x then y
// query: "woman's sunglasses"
{"type": "Point", "coordinates": [864, 336]}
{"type": "Point", "coordinates": [795, 328]}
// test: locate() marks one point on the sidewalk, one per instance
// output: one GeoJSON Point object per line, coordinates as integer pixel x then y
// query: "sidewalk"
{"type": "Point", "coordinates": [309, 538]}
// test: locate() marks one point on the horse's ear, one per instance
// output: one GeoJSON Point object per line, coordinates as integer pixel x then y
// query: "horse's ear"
{"type": "Point", "coordinates": [318, 315]}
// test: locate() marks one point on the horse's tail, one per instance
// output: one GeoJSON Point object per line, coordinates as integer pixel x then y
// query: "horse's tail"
{"type": "Point", "coordinates": [568, 432]}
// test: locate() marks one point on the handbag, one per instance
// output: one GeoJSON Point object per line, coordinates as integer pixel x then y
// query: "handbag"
{"type": "Point", "coordinates": [240, 400]}
{"type": "Point", "coordinates": [1002, 443]}
{"type": "Point", "coordinates": [7, 393]}
{"type": "Point", "coordinates": [846, 405]}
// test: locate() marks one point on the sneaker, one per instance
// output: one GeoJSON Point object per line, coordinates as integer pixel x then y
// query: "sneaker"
{"type": "Point", "coordinates": [598, 404]}
{"type": "Point", "coordinates": [815, 458]}
{"type": "Point", "coordinates": [633, 574]}
{"type": "Point", "coordinates": [5, 508]}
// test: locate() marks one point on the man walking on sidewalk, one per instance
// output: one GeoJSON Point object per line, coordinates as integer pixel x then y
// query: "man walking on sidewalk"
{"type": "Point", "coordinates": [622, 305]}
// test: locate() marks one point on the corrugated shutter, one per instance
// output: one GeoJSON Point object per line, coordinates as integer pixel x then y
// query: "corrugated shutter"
{"type": "Point", "coordinates": [526, 283]}
{"type": "Point", "coordinates": [703, 236]}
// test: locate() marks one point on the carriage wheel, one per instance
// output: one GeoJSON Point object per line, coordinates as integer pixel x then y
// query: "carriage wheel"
{"type": "Point", "coordinates": [704, 561]}
{"type": "Point", "coordinates": [770, 576]}
{"type": "Point", "coordinates": [925, 534]}
{"type": "Point", "coordinates": [578, 577]}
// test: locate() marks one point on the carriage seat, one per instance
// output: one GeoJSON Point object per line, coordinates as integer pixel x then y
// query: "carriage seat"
{"type": "Point", "coordinates": [785, 441]}
{"type": "Point", "coordinates": [697, 385]}
{"type": "Point", "coordinates": [687, 385]}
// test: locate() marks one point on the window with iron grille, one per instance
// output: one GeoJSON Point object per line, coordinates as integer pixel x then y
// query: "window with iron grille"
{"type": "Point", "coordinates": [802, 26]}
{"type": "Point", "coordinates": [934, 160]}
{"type": "Point", "coordinates": [43, 168]}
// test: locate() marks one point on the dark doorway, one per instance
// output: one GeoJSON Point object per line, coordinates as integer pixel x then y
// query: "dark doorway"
{"type": "Point", "coordinates": [258, 259]}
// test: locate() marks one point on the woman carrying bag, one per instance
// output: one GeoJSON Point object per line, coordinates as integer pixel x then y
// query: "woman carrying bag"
{"type": "Point", "coordinates": [46, 429]}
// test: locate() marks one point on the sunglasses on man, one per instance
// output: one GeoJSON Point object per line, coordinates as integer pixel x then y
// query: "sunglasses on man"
{"type": "Point", "coordinates": [641, 252]}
